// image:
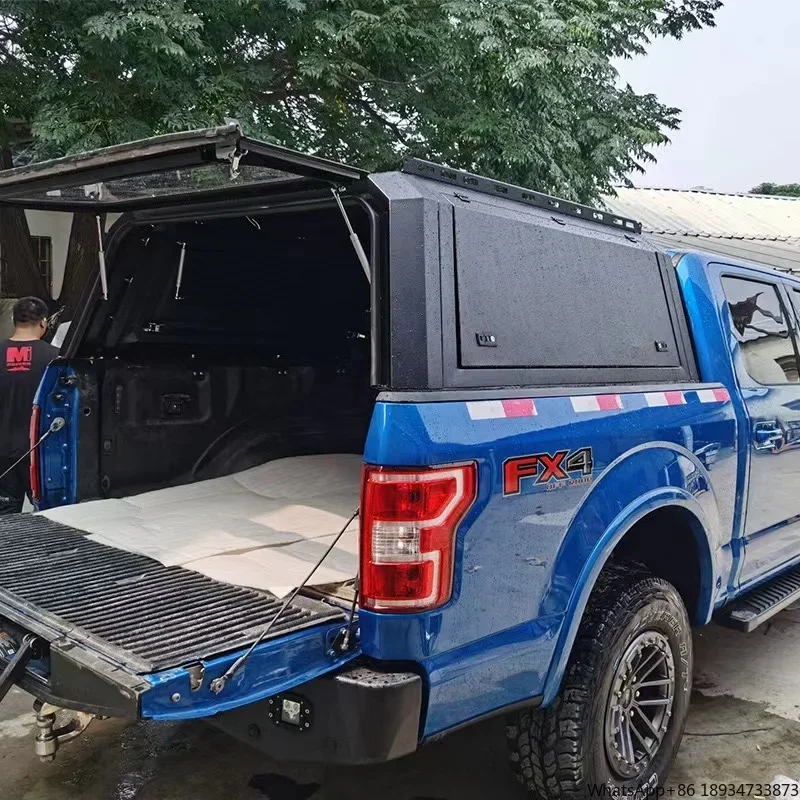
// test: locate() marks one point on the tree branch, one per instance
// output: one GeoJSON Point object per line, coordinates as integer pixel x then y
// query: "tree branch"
{"type": "Point", "coordinates": [277, 95]}
{"type": "Point", "coordinates": [376, 115]}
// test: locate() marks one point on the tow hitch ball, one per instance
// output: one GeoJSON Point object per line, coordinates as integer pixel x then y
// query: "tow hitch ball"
{"type": "Point", "coordinates": [49, 738]}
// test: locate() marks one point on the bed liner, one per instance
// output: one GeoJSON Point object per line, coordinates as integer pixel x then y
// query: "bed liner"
{"type": "Point", "coordinates": [139, 613]}
{"type": "Point", "coordinates": [263, 528]}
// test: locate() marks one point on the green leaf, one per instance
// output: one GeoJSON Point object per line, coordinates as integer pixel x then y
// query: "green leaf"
{"type": "Point", "coordinates": [524, 91]}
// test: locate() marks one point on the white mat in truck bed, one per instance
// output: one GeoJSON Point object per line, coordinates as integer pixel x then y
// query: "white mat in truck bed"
{"type": "Point", "coordinates": [264, 527]}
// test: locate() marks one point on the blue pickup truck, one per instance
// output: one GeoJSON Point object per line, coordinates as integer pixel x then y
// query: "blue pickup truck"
{"type": "Point", "coordinates": [569, 448]}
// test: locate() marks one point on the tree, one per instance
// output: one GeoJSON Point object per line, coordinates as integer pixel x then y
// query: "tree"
{"type": "Point", "coordinates": [782, 189]}
{"type": "Point", "coordinates": [521, 91]}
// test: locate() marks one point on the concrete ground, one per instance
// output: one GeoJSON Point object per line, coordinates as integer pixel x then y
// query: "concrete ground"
{"type": "Point", "coordinates": [744, 726]}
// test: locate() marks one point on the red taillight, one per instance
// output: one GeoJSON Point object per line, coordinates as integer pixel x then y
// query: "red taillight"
{"type": "Point", "coordinates": [408, 528]}
{"type": "Point", "coordinates": [34, 438]}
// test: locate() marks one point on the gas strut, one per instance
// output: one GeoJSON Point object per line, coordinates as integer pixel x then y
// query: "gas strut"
{"type": "Point", "coordinates": [355, 241]}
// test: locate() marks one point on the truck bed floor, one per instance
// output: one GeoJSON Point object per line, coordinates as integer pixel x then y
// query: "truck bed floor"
{"type": "Point", "coordinates": [138, 612]}
{"type": "Point", "coordinates": [262, 527]}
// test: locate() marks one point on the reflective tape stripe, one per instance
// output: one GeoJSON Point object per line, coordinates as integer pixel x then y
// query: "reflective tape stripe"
{"type": "Point", "coordinates": [665, 398]}
{"type": "Point", "coordinates": [713, 395]}
{"type": "Point", "coordinates": [586, 402]}
{"type": "Point", "coordinates": [526, 407]}
{"type": "Point", "coordinates": [519, 408]}
{"type": "Point", "coordinates": [609, 402]}
{"type": "Point", "coordinates": [486, 409]}
{"type": "Point", "coordinates": [675, 398]}
{"type": "Point", "coordinates": [500, 409]}
{"type": "Point", "coordinates": [596, 402]}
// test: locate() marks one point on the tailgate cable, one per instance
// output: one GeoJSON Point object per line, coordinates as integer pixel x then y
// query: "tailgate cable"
{"type": "Point", "coordinates": [218, 684]}
{"type": "Point", "coordinates": [56, 425]}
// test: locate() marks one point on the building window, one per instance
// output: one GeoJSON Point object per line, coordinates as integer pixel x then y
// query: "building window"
{"type": "Point", "coordinates": [43, 256]}
{"type": "Point", "coordinates": [42, 247]}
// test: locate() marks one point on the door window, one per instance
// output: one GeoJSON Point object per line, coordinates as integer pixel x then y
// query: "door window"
{"type": "Point", "coordinates": [761, 328]}
{"type": "Point", "coordinates": [795, 295]}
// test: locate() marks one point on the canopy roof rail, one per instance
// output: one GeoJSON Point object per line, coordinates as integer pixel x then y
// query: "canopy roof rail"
{"type": "Point", "coordinates": [476, 183]}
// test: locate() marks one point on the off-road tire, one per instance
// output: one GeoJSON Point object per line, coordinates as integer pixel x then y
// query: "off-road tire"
{"type": "Point", "coordinates": [559, 752]}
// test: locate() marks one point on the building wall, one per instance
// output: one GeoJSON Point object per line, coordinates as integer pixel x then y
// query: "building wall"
{"type": "Point", "coordinates": [6, 322]}
{"type": "Point", "coordinates": [57, 225]}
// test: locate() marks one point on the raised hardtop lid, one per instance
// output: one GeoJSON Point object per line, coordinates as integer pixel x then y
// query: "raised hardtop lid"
{"type": "Point", "coordinates": [162, 169]}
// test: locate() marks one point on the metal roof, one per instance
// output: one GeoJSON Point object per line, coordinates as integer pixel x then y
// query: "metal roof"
{"type": "Point", "coordinates": [748, 227]}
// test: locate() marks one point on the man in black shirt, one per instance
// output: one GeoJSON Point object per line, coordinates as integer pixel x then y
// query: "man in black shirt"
{"type": "Point", "coordinates": [23, 359]}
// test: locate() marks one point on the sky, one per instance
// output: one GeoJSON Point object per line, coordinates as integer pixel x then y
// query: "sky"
{"type": "Point", "coordinates": [738, 86]}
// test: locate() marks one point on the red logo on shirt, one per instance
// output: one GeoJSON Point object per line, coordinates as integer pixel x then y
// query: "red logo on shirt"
{"type": "Point", "coordinates": [18, 359]}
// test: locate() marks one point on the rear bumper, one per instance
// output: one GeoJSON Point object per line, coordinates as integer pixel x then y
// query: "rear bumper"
{"type": "Point", "coordinates": [360, 715]}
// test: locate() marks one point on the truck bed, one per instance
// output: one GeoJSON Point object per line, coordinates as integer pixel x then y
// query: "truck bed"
{"type": "Point", "coordinates": [141, 614]}
{"type": "Point", "coordinates": [262, 528]}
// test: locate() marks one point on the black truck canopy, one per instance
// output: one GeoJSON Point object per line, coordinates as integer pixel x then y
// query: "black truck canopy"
{"type": "Point", "coordinates": [164, 169]}
{"type": "Point", "coordinates": [475, 283]}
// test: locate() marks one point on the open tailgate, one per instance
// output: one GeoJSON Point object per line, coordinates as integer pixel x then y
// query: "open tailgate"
{"type": "Point", "coordinates": [155, 635]}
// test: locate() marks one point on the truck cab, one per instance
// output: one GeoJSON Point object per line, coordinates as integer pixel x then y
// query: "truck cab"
{"type": "Point", "coordinates": [562, 447]}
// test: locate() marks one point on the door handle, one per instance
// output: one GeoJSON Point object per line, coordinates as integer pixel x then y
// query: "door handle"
{"type": "Point", "coordinates": [768, 436]}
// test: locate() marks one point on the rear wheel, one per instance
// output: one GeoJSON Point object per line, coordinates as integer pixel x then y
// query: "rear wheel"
{"type": "Point", "coordinates": [619, 718]}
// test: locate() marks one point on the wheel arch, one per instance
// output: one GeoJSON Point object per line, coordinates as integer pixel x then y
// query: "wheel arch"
{"type": "Point", "coordinates": [620, 538]}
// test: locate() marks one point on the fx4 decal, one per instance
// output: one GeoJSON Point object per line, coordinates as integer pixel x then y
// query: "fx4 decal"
{"type": "Point", "coordinates": [554, 471]}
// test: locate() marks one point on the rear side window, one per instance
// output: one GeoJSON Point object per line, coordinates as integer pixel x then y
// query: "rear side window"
{"type": "Point", "coordinates": [532, 294]}
{"type": "Point", "coordinates": [759, 325]}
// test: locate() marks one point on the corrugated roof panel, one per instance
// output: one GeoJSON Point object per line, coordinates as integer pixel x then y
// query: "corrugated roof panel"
{"type": "Point", "coordinates": [709, 214]}
{"type": "Point", "coordinates": [783, 256]}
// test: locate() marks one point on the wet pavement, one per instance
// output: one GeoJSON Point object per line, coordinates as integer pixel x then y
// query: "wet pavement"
{"type": "Point", "coordinates": [744, 726]}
